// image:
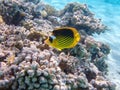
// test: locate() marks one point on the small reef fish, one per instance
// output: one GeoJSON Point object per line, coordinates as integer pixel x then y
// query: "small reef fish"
{"type": "Point", "coordinates": [10, 59]}
{"type": "Point", "coordinates": [64, 37]}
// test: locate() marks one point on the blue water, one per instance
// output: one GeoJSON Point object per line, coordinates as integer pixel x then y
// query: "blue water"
{"type": "Point", "coordinates": [109, 12]}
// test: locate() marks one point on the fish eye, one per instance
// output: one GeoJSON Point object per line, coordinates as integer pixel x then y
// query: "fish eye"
{"type": "Point", "coordinates": [50, 39]}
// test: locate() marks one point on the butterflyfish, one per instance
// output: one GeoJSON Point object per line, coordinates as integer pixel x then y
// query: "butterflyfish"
{"type": "Point", "coordinates": [63, 38]}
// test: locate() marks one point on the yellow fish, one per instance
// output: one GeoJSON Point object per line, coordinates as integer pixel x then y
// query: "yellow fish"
{"type": "Point", "coordinates": [64, 37]}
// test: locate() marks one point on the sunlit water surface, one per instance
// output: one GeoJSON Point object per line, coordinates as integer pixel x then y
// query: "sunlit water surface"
{"type": "Point", "coordinates": [109, 12]}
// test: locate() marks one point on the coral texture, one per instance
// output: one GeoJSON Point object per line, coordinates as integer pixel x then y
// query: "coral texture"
{"type": "Point", "coordinates": [27, 63]}
{"type": "Point", "coordinates": [79, 16]}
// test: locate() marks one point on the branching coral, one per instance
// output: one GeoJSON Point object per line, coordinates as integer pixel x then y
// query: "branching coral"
{"type": "Point", "coordinates": [26, 63]}
{"type": "Point", "coordinates": [79, 16]}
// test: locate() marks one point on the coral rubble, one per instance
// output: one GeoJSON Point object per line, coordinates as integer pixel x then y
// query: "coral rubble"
{"type": "Point", "coordinates": [26, 63]}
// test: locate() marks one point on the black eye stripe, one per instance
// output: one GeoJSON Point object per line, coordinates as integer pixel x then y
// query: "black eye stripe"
{"type": "Point", "coordinates": [51, 39]}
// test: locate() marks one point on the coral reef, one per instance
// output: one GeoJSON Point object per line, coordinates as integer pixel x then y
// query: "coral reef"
{"type": "Point", "coordinates": [79, 16]}
{"type": "Point", "coordinates": [36, 69]}
{"type": "Point", "coordinates": [14, 12]}
{"type": "Point", "coordinates": [93, 51]}
{"type": "Point", "coordinates": [26, 63]}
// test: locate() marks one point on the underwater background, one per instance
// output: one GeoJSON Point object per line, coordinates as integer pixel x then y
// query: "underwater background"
{"type": "Point", "coordinates": [109, 12]}
{"type": "Point", "coordinates": [27, 62]}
